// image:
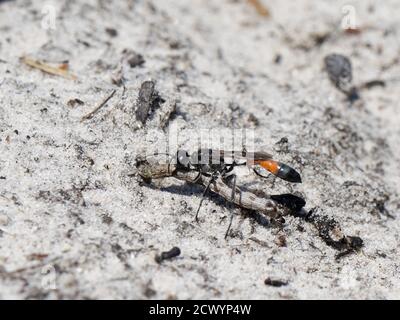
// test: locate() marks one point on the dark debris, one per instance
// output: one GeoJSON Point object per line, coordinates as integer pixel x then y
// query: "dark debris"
{"type": "Point", "coordinates": [133, 58]}
{"type": "Point", "coordinates": [275, 282]}
{"type": "Point", "coordinates": [73, 102]}
{"type": "Point", "coordinates": [330, 232]}
{"type": "Point", "coordinates": [339, 70]}
{"type": "Point", "coordinates": [340, 73]}
{"type": "Point", "coordinates": [112, 32]}
{"type": "Point", "coordinates": [289, 201]}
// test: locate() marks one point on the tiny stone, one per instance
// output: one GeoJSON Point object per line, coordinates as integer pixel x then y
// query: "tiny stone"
{"type": "Point", "coordinates": [174, 252]}
{"type": "Point", "coordinates": [275, 282]}
{"type": "Point", "coordinates": [112, 32]}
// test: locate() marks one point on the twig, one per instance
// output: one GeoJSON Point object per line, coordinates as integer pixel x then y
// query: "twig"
{"type": "Point", "coordinates": [61, 70]}
{"type": "Point", "coordinates": [102, 104]}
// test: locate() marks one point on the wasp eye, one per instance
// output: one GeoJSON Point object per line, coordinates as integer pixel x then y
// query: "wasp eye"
{"type": "Point", "coordinates": [183, 158]}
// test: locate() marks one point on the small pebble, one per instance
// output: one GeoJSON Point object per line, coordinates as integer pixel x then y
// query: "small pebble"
{"type": "Point", "coordinates": [4, 219]}
{"type": "Point", "coordinates": [339, 70]}
{"type": "Point", "coordinates": [275, 282]}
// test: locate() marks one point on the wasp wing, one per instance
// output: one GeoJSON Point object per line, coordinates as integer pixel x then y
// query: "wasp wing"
{"type": "Point", "coordinates": [259, 155]}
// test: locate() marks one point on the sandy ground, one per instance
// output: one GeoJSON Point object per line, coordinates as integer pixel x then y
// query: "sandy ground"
{"type": "Point", "coordinates": [76, 221]}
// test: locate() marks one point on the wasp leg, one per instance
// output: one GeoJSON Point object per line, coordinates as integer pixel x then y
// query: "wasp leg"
{"type": "Point", "coordinates": [197, 177]}
{"type": "Point", "coordinates": [233, 176]}
{"type": "Point", "coordinates": [229, 167]}
{"type": "Point", "coordinates": [212, 180]}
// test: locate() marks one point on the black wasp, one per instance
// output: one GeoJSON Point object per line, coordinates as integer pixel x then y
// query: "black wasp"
{"type": "Point", "coordinates": [212, 163]}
